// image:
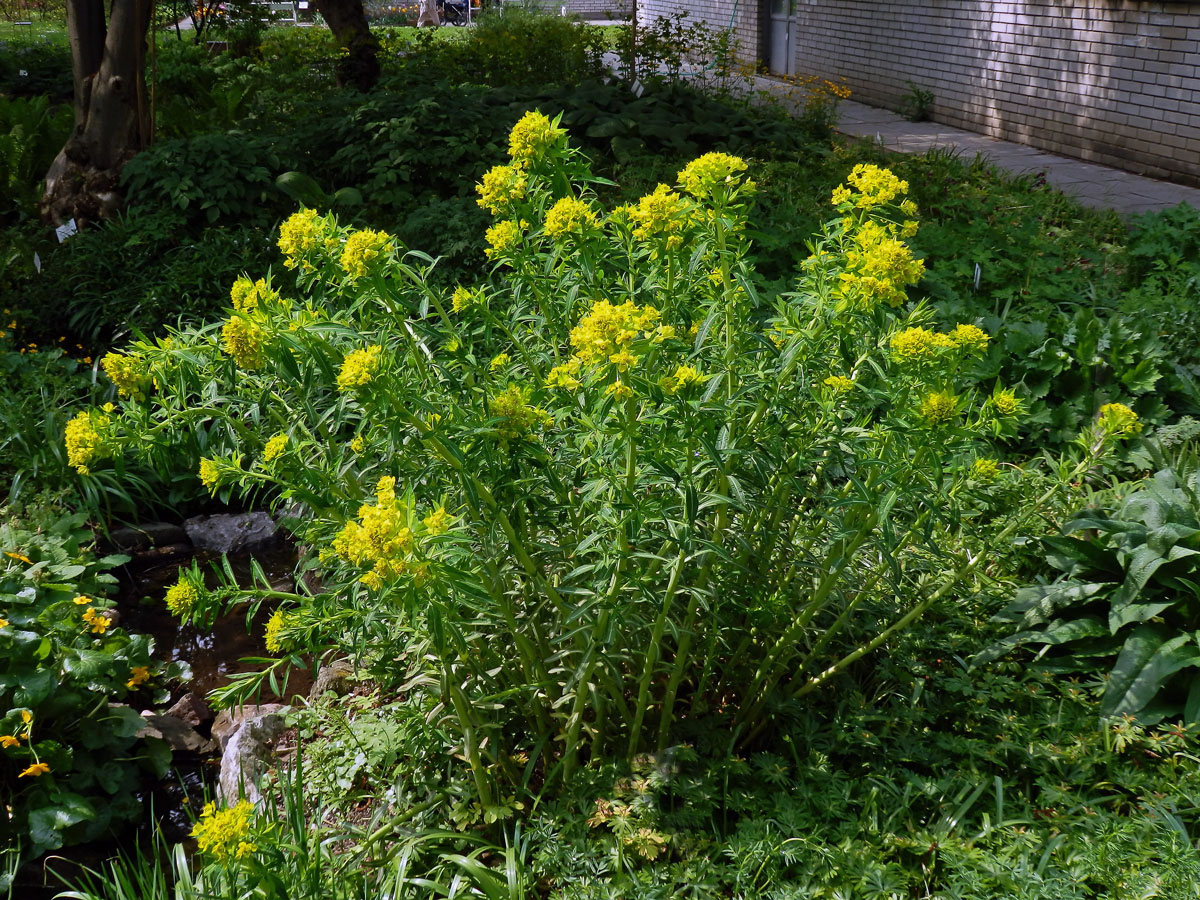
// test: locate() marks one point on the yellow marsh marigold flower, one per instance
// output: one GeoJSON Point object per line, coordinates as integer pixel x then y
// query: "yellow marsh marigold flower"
{"type": "Point", "coordinates": [83, 600]}
{"type": "Point", "coordinates": [501, 186]}
{"type": "Point", "coordinates": [362, 248]}
{"type": "Point", "coordinates": [702, 176]}
{"type": "Point", "coordinates": [438, 521]}
{"type": "Point", "coordinates": [918, 344]}
{"type": "Point", "coordinates": [97, 622]}
{"type": "Point", "coordinates": [502, 237]}
{"type": "Point", "coordinates": [210, 474]}
{"type": "Point", "coordinates": [682, 378]}
{"type": "Point", "coordinates": [138, 675]}
{"type": "Point", "coordinates": [275, 446]}
{"type": "Point", "coordinates": [839, 384]}
{"type": "Point", "coordinates": [84, 437]}
{"type": "Point", "coordinates": [1006, 403]}
{"type": "Point", "coordinates": [3, 623]}
{"type": "Point", "coordinates": [518, 416]}
{"type": "Point", "coordinates": [19, 557]}
{"type": "Point", "coordinates": [938, 407]}
{"type": "Point", "coordinates": [129, 373]}
{"type": "Point", "coordinates": [8, 740]}
{"type": "Point", "coordinates": [532, 136]}
{"type": "Point", "coordinates": [183, 597]}
{"type": "Point", "coordinates": [225, 834]}
{"type": "Point", "coordinates": [244, 340]}
{"type": "Point", "coordinates": [26, 717]}
{"type": "Point", "coordinates": [661, 212]}
{"type": "Point", "coordinates": [359, 368]}
{"type": "Point", "coordinates": [35, 770]}
{"type": "Point", "coordinates": [564, 376]}
{"type": "Point", "coordinates": [499, 361]}
{"type": "Point", "coordinates": [970, 338]}
{"type": "Point", "coordinates": [608, 330]}
{"type": "Point", "coordinates": [985, 469]}
{"type": "Point", "coordinates": [274, 640]}
{"type": "Point", "coordinates": [1119, 420]}
{"type": "Point", "coordinates": [569, 216]}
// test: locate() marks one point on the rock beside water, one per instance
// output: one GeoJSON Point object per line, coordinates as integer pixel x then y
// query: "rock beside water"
{"type": "Point", "coordinates": [230, 532]}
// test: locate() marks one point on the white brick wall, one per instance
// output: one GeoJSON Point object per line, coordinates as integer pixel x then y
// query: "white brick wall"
{"type": "Point", "coordinates": [598, 9]}
{"type": "Point", "coordinates": [1111, 81]}
{"type": "Point", "coordinates": [717, 14]}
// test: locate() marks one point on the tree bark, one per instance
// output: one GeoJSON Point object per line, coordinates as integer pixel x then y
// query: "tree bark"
{"type": "Point", "coordinates": [348, 22]}
{"type": "Point", "coordinates": [111, 119]}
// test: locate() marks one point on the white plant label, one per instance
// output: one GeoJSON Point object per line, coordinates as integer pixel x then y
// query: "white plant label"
{"type": "Point", "coordinates": [65, 230]}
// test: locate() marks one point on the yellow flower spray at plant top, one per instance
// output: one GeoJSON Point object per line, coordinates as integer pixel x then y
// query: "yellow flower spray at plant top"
{"type": "Point", "coordinates": [612, 483]}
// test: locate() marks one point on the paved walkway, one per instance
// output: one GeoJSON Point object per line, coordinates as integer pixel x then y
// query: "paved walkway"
{"type": "Point", "coordinates": [1099, 187]}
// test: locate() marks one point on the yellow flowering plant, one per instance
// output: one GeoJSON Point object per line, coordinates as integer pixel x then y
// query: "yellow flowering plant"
{"type": "Point", "coordinates": [612, 484]}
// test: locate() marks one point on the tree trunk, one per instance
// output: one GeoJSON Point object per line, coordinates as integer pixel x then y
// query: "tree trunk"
{"type": "Point", "coordinates": [111, 121]}
{"type": "Point", "coordinates": [348, 22]}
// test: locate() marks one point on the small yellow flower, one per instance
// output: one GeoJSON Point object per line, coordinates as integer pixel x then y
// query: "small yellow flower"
{"type": "Point", "coordinates": [83, 600]}
{"type": "Point", "coordinates": [938, 407]}
{"type": "Point", "coordinates": [26, 717]}
{"type": "Point", "coordinates": [564, 376]}
{"type": "Point", "coordinates": [918, 344]}
{"type": "Point", "coordinates": [244, 339]}
{"type": "Point", "coordinates": [517, 415]}
{"type": "Point", "coordinates": [224, 834]}
{"type": "Point", "coordinates": [569, 216]}
{"type": "Point", "coordinates": [96, 622]}
{"type": "Point", "coordinates": [438, 521]}
{"type": "Point", "coordinates": [502, 237]}
{"type": "Point", "coordinates": [362, 248]}
{"type": "Point", "coordinates": [35, 770]}
{"type": "Point", "coordinates": [701, 177]}
{"type": "Point", "coordinates": [274, 447]}
{"type": "Point", "coordinates": [8, 740]}
{"type": "Point", "coordinates": [682, 378]}
{"type": "Point", "coordinates": [498, 361]}
{"type": "Point", "coordinates": [532, 136]}
{"type": "Point", "coordinates": [501, 187]}
{"type": "Point", "coordinates": [182, 597]}
{"type": "Point", "coordinates": [210, 474]}
{"type": "Point", "coordinates": [839, 384]}
{"type": "Point", "coordinates": [128, 372]}
{"type": "Point", "coordinates": [620, 390]}
{"type": "Point", "coordinates": [985, 469]}
{"type": "Point", "coordinates": [359, 368]}
{"type": "Point", "coordinates": [275, 642]}
{"type": "Point", "coordinates": [139, 675]}
{"type": "Point", "coordinates": [1119, 420]}
{"type": "Point", "coordinates": [1006, 403]}
{"type": "Point", "coordinates": [3, 623]}
{"type": "Point", "coordinates": [357, 444]}
{"type": "Point", "coordinates": [18, 557]}
{"type": "Point", "coordinates": [970, 338]}
{"type": "Point", "coordinates": [84, 437]}
{"type": "Point", "coordinates": [300, 233]}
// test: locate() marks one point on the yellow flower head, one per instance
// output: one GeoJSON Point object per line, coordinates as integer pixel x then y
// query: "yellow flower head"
{"type": "Point", "coordinates": [517, 415]}
{"type": "Point", "coordinates": [1119, 420]}
{"type": "Point", "coordinates": [83, 600]}
{"type": "Point", "coordinates": [875, 186]}
{"type": "Point", "coordinates": [938, 408]}
{"type": "Point", "coordinates": [1007, 403]}
{"type": "Point", "coordinates": [567, 217]}
{"type": "Point", "coordinates": [607, 331]}
{"type": "Point", "coordinates": [301, 233]}
{"type": "Point", "coordinates": [839, 384]}
{"type": "Point", "coordinates": [660, 213]}
{"type": "Point", "coordinates": [244, 339]}
{"type": "Point", "coordinates": [499, 361]}
{"type": "Point", "coordinates": [210, 474]}
{"type": "Point", "coordinates": [359, 368]}
{"type": "Point", "coordinates": [532, 136]}
{"type": "Point", "coordinates": [362, 248]}
{"type": "Point", "coordinates": [183, 597]}
{"type": "Point", "coordinates": [501, 187]}
{"type": "Point", "coordinates": [464, 298]}
{"type": "Point", "coordinates": [247, 295]}
{"type": "Point", "coordinates": [357, 444]}
{"type": "Point", "coordinates": [620, 390]}
{"type": "Point", "coordinates": [564, 376]}
{"type": "Point", "coordinates": [382, 536]}
{"type": "Point", "coordinates": [225, 834]}
{"type": "Point", "coordinates": [35, 770]}
{"type": "Point", "coordinates": [970, 338]}
{"type": "Point", "coordinates": [8, 740]}
{"type": "Point", "coordinates": [918, 345]}
{"type": "Point", "coordinates": [275, 447]}
{"type": "Point", "coordinates": [502, 237]}
{"type": "Point", "coordinates": [276, 642]}
{"type": "Point", "coordinates": [26, 717]}
{"type": "Point", "coordinates": [3, 623]}
{"type": "Point", "coordinates": [129, 373]}
{"type": "Point", "coordinates": [84, 437]}
{"type": "Point", "coordinates": [138, 675]}
{"type": "Point", "coordinates": [684, 377]}
{"type": "Point", "coordinates": [95, 621]}
{"type": "Point", "coordinates": [985, 469]}
{"type": "Point", "coordinates": [701, 177]}
{"type": "Point", "coordinates": [438, 521]}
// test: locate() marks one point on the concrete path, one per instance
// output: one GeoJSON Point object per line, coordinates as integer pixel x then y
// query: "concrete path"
{"type": "Point", "coordinates": [1099, 187]}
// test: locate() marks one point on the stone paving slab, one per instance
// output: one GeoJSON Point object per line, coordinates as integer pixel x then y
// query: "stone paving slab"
{"type": "Point", "coordinates": [1096, 186]}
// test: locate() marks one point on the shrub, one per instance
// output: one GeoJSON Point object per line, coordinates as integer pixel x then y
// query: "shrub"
{"type": "Point", "coordinates": [612, 487]}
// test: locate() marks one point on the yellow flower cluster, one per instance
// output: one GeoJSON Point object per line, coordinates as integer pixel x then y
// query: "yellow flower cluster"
{"type": "Point", "coordinates": [359, 368]}
{"type": "Point", "coordinates": [275, 447]}
{"type": "Point", "coordinates": [382, 536]}
{"type": "Point", "coordinates": [362, 248]}
{"type": "Point", "coordinates": [1007, 403]}
{"type": "Point", "coordinates": [182, 597]}
{"type": "Point", "coordinates": [244, 339]}
{"type": "Point", "coordinates": [569, 216]}
{"type": "Point", "coordinates": [605, 333]}
{"type": "Point", "coordinates": [276, 642]}
{"type": "Point", "coordinates": [501, 187]}
{"type": "Point", "coordinates": [463, 298]}
{"type": "Point", "coordinates": [985, 469]}
{"type": "Point", "coordinates": [95, 621]}
{"type": "Point", "coordinates": [564, 376]}
{"type": "Point", "coordinates": [502, 236]}
{"type": "Point", "coordinates": [129, 373]}
{"type": "Point", "coordinates": [438, 522]}
{"type": "Point", "coordinates": [971, 338]}
{"type": "Point", "coordinates": [938, 407]}
{"type": "Point", "coordinates": [247, 295]}
{"type": "Point", "coordinates": [880, 266]}
{"type": "Point", "coordinates": [702, 176]}
{"type": "Point", "coordinates": [921, 344]}
{"type": "Point", "coordinates": [301, 233]}
{"type": "Point", "coordinates": [499, 361]}
{"type": "Point", "coordinates": [532, 136]}
{"type": "Point", "coordinates": [662, 212]}
{"type": "Point", "coordinates": [1119, 420]}
{"type": "Point", "coordinates": [518, 416]}
{"type": "Point", "coordinates": [839, 384]}
{"type": "Point", "coordinates": [682, 378]}
{"type": "Point", "coordinates": [875, 187]}
{"type": "Point", "coordinates": [84, 437]}
{"type": "Point", "coordinates": [225, 834]}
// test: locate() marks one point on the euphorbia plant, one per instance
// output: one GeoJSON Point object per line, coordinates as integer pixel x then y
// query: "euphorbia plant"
{"type": "Point", "coordinates": [609, 488]}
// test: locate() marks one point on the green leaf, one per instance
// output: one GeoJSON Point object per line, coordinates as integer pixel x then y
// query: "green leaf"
{"type": "Point", "coordinates": [47, 823]}
{"type": "Point", "coordinates": [34, 688]}
{"type": "Point", "coordinates": [1144, 664]}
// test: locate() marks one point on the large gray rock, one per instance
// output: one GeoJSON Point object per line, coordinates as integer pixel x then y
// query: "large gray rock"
{"type": "Point", "coordinates": [333, 677]}
{"type": "Point", "coordinates": [190, 709]}
{"type": "Point", "coordinates": [248, 753]}
{"type": "Point", "coordinates": [146, 536]}
{"type": "Point", "coordinates": [179, 735]}
{"type": "Point", "coordinates": [228, 721]}
{"type": "Point", "coordinates": [230, 532]}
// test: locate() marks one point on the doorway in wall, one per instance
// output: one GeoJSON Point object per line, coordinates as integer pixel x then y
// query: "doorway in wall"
{"type": "Point", "coordinates": [781, 36]}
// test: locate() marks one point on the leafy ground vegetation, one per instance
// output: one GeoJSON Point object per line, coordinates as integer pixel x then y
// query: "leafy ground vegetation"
{"type": "Point", "coordinates": [706, 507]}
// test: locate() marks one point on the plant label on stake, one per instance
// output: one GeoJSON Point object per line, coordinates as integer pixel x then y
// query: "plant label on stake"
{"type": "Point", "coordinates": [65, 230]}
